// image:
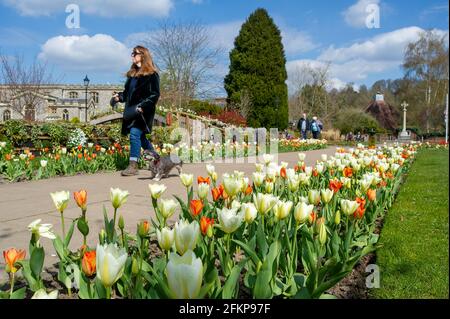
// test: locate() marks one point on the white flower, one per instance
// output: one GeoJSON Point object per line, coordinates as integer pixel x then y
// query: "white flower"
{"type": "Point", "coordinates": [165, 238]}
{"type": "Point", "coordinates": [41, 230]}
{"type": "Point", "coordinates": [23, 156]}
{"type": "Point", "coordinates": [264, 202]}
{"type": "Point", "coordinates": [267, 158]}
{"type": "Point", "coordinates": [302, 212]}
{"type": "Point", "coordinates": [249, 211]}
{"type": "Point", "coordinates": [259, 167]}
{"type": "Point", "coordinates": [282, 209]}
{"type": "Point", "coordinates": [186, 235]}
{"type": "Point", "coordinates": [2, 145]}
{"type": "Point", "coordinates": [313, 196]}
{"type": "Point", "coordinates": [203, 190]}
{"type": "Point", "coordinates": [42, 294]}
{"type": "Point", "coordinates": [232, 184]}
{"type": "Point", "coordinates": [258, 178]}
{"type": "Point", "coordinates": [110, 263]}
{"type": "Point", "coordinates": [43, 163]}
{"type": "Point", "coordinates": [301, 157]}
{"type": "Point", "coordinates": [184, 275]}
{"type": "Point", "coordinates": [61, 200]}
{"type": "Point", "coordinates": [156, 190]}
{"type": "Point", "coordinates": [293, 183]}
{"type": "Point", "coordinates": [229, 219]}
{"type": "Point", "coordinates": [186, 179]}
{"type": "Point", "coordinates": [210, 169]}
{"type": "Point", "coordinates": [327, 195]}
{"type": "Point", "coordinates": [348, 207]}
{"type": "Point", "coordinates": [167, 207]}
{"type": "Point", "coordinates": [324, 157]}
{"type": "Point", "coordinates": [118, 197]}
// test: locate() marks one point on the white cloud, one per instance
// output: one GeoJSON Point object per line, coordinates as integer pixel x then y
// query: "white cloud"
{"type": "Point", "coordinates": [295, 41]}
{"type": "Point", "coordinates": [99, 53]}
{"type": "Point", "coordinates": [110, 8]}
{"type": "Point", "coordinates": [356, 14]}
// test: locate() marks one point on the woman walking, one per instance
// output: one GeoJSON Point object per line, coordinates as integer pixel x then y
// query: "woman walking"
{"type": "Point", "coordinates": [141, 93]}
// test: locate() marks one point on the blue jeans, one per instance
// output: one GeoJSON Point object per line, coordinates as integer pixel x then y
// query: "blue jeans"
{"type": "Point", "coordinates": [303, 134]}
{"type": "Point", "coordinates": [138, 140]}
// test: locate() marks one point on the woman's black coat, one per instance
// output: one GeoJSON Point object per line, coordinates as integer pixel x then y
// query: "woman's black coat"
{"type": "Point", "coordinates": [145, 95]}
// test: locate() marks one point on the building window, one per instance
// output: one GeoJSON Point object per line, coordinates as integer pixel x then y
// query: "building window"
{"type": "Point", "coordinates": [65, 115]}
{"type": "Point", "coordinates": [73, 95]}
{"type": "Point", "coordinates": [6, 115]}
{"type": "Point", "coordinates": [94, 96]}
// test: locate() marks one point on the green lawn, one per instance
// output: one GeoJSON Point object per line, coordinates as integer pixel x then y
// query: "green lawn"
{"type": "Point", "coordinates": [413, 261]}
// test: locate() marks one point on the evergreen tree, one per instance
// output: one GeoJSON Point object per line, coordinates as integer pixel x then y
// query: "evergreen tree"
{"type": "Point", "coordinates": [258, 67]}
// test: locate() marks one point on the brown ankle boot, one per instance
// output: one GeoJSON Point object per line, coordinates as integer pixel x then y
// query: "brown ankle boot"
{"type": "Point", "coordinates": [131, 170]}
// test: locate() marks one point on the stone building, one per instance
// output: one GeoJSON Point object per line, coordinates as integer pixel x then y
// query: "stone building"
{"type": "Point", "coordinates": [57, 102]}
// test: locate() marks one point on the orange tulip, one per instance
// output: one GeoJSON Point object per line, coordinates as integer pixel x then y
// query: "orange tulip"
{"type": "Point", "coordinates": [80, 156]}
{"type": "Point", "coordinates": [203, 180]}
{"type": "Point", "coordinates": [359, 212]}
{"type": "Point", "coordinates": [296, 168]}
{"type": "Point", "coordinates": [205, 223]}
{"type": "Point", "coordinates": [88, 263]}
{"type": "Point", "coordinates": [79, 147]}
{"type": "Point", "coordinates": [8, 157]}
{"type": "Point", "coordinates": [335, 185]}
{"type": "Point", "coordinates": [371, 194]}
{"type": "Point", "coordinates": [81, 198]}
{"type": "Point", "coordinates": [348, 172]}
{"type": "Point", "coordinates": [98, 147]}
{"type": "Point", "coordinates": [11, 257]}
{"type": "Point", "coordinates": [57, 157]}
{"type": "Point", "coordinates": [216, 193]}
{"type": "Point", "coordinates": [196, 206]}
{"type": "Point", "coordinates": [248, 190]}
{"type": "Point", "coordinates": [315, 173]}
{"type": "Point", "coordinates": [312, 217]}
{"type": "Point", "coordinates": [283, 172]}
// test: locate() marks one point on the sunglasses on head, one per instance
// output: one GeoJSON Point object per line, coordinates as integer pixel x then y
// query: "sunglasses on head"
{"type": "Point", "coordinates": [135, 53]}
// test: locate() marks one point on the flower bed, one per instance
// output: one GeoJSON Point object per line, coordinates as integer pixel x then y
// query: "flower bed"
{"type": "Point", "coordinates": [290, 233]}
{"type": "Point", "coordinates": [61, 161]}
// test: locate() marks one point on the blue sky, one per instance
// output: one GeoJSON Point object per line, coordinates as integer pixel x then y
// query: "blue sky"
{"type": "Point", "coordinates": [314, 33]}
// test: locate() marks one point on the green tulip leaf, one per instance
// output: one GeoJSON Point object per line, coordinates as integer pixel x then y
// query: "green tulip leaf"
{"type": "Point", "coordinates": [69, 234]}
{"type": "Point", "coordinates": [230, 289]}
{"type": "Point", "coordinates": [83, 227]}
{"type": "Point", "coordinates": [19, 293]}
{"type": "Point", "coordinates": [37, 261]}
{"type": "Point", "coordinates": [59, 247]}
{"type": "Point", "coordinates": [249, 251]}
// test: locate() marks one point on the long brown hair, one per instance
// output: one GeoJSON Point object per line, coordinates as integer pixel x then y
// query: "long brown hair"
{"type": "Point", "coordinates": [147, 65]}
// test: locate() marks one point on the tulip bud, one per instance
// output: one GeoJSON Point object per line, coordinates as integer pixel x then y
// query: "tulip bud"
{"type": "Point", "coordinates": [143, 228]}
{"type": "Point", "coordinates": [337, 217]}
{"type": "Point", "coordinates": [313, 197]}
{"type": "Point", "coordinates": [269, 187]}
{"type": "Point", "coordinates": [121, 223]}
{"type": "Point", "coordinates": [134, 266]}
{"type": "Point", "coordinates": [102, 237]}
{"type": "Point", "coordinates": [322, 231]}
{"type": "Point", "coordinates": [209, 232]}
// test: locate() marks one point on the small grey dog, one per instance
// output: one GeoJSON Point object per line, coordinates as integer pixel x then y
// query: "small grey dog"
{"type": "Point", "coordinates": [161, 167]}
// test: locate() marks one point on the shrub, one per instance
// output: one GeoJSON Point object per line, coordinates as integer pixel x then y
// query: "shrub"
{"type": "Point", "coordinates": [75, 120]}
{"type": "Point", "coordinates": [76, 137]}
{"type": "Point", "coordinates": [353, 120]}
{"type": "Point", "coordinates": [16, 131]}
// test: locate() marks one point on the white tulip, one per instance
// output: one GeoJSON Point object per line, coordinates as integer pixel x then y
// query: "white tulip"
{"type": "Point", "coordinates": [302, 212]}
{"type": "Point", "coordinates": [229, 219]}
{"type": "Point", "coordinates": [210, 169]}
{"type": "Point", "coordinates": [203, 190]}
{"type": "Point", "coordinates": [313, 196]}
{"type": "Point", "coordinates": [43, 163]}
{"type": "Point", "coordinates": [348, 207]}
{"type": "Point", "coordinates": [167, 207]}
{"type": "Point", "coordinates": [293, 183]}
{"type": "Point", "coordinates": [110, 263]}
{"type": "Point", "coordinates": [184, 275]}
{"type": "Point", "coordinates": [301, 157]}
{"type": "Point", "coordinates": [156, 190]}
{"type": "Point", "coordinates": [186, 179]}
{"type": "Point", "coordinates": [165, 238]}
{"type": "Point", "coordinates": [42, 294]}
{"type": "Point", "coordinates": [232, 184]}
{"type": "Point", "coordinates": [61, 200]}
{"type": "Point", "coordinates": [264, 202]}
{"type": "Point", "coordinates": [327, 195]}
{"type": "Point", "coordinates": [258, 178]}
{"type": "Point", "coordinates": [259, 167]}
{"type": "Point", "coordinates": [249, 211]}
{"type": "Point", "coordinates": [282, 209]}
{"type": "Point", "coordinates": [267, 158]}
{"type": "Point", "coordinates": [118, 197]}
{"type": "Point", "coordinates": [324, 157]}
{"type": "Point", "coordinates": [186, 235]}
{"type": "Point", "coordinates": [41, 230]}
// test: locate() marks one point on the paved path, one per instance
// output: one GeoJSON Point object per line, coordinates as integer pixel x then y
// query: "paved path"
{"type": "Point", "coordinates": [23, 202]}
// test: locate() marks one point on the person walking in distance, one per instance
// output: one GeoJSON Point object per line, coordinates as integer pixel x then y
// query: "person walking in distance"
{"type": "Point", "coordinates": [303, 126]}
{"type": "Point", "coordinates": [315, 128]}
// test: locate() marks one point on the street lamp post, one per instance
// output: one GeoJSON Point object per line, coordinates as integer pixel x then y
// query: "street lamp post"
{"type": "Point", "coordinates": [86, 84]}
